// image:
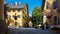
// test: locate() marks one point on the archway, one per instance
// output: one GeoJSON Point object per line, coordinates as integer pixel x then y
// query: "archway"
{"type": "Point", "coordinates": [56, 20]}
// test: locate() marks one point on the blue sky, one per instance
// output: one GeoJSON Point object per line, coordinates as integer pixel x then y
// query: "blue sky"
{"type": "Point", "coordinates": [31, 3]}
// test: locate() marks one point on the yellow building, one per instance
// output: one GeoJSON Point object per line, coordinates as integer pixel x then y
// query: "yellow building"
{"type": "Point", "coordinates": [47, 6]}
{"type": "Point", "coordinates": [51, 11]}
{"type": "Point", "coordinates": [17, 15]}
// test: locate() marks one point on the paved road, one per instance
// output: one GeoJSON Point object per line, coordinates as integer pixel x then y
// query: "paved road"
{"type": "Point", "coordinates": [29, 31]}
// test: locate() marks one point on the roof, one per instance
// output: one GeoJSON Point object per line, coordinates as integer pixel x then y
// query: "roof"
{"type": "Point", "coordinates": [16, 6]}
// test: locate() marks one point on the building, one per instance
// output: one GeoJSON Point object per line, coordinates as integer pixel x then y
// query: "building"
{"type": "Point", "coordinates": [47, 9]}
{"type": "Point", "coordinates": [16, 15]}
{"type": "Point", "coordinates": [51, 12]}
{"type": "Point", "coordinates": [2, 9]}
{"type": "Point", "coordinates": [3, 26]}
{"type": "Point", "coordinates": [30, 22]}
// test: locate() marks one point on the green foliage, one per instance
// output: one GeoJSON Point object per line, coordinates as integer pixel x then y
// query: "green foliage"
{"type": "Point", "coordinates": [36, 15]}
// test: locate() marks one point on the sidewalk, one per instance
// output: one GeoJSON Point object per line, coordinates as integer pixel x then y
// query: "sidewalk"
{"type": "Point", "coordinates": [55, 26]}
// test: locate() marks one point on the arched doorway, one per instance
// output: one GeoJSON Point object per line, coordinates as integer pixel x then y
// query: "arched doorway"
{"type": "Point", "coordinates": [56, 20]}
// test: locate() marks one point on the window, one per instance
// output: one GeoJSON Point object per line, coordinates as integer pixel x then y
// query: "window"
{"type": "Point", "coordinates": [15, 23]}
{"type": "Point", "coordinates": [25, 19]}
{"type": "Point", "coordinates": [23, 11]}
{"type": "Point", "coordinates": [56, 20]}
{"type": "Point", "coordinates": [18, 16]}
{"type": "Point", "coordinates": [55, 4]}
{"type": "Point", "coordinates": [25, 16]}
{"type": "Point", "coordinates": [9, 10]}
{"type": "Point", "coordinates": [18, 10]}
{"type": "Point", "coordinates": [6, 16]}
{"type": "Point", "coordinates": [48, 6]}
{"type": "Point", "coordinates": [13, 10]}
{"type": "Point", "coordinates": [15, 17]}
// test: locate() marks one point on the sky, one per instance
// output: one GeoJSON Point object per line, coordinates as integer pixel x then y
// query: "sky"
{"type": "Point", "coordinates": [31, 3]}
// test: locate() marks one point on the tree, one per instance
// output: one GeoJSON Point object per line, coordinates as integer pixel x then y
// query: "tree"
{"type": "Point", "coordinates": [36, 15]}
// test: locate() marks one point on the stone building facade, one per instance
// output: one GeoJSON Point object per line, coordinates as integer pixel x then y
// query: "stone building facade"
{"type": "Point", "coordinates": [52, 13]}
{"type": "Point", "coordinates": [16, 15]}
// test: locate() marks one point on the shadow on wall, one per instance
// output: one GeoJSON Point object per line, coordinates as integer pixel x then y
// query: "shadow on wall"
{"type": "Point", "coordinates": [3, 27]}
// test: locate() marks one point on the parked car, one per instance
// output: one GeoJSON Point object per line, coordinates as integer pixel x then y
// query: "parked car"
{"type": "Point", "coordinates": [56, 29]}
